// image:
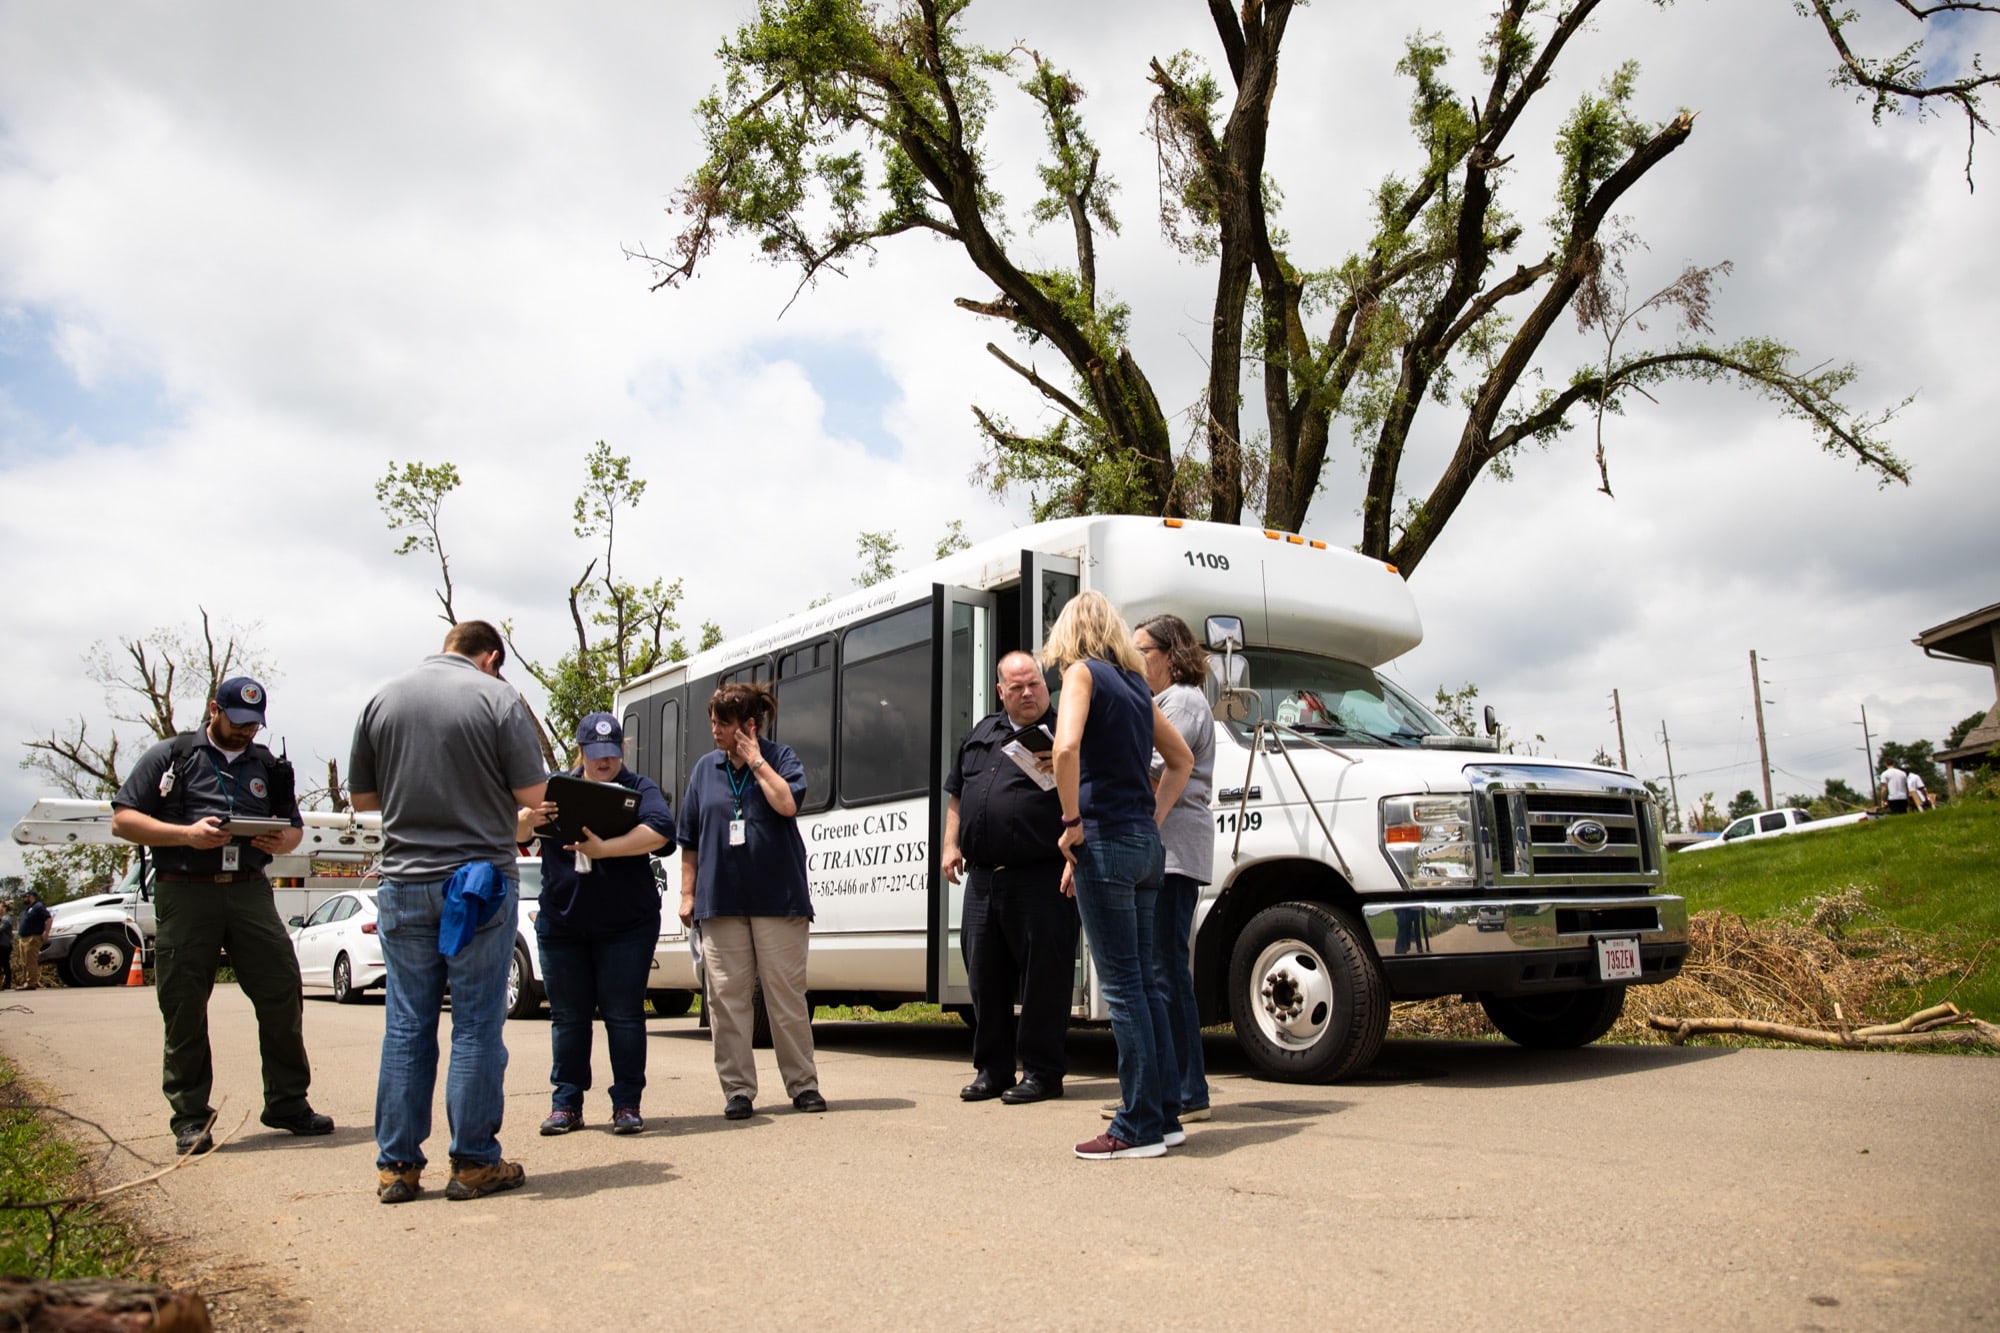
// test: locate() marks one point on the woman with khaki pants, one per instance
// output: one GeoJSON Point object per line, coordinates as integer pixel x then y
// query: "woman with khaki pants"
{"type": "Point", "coordinates": [743, 883]}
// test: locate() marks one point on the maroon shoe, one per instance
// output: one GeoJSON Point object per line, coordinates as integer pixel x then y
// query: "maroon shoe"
{"type": "Point", "coordinates": [1106, 1146]}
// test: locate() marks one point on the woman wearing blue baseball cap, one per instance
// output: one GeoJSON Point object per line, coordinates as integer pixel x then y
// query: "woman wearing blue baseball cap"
{"type": "Point", "coordinates": [595, 929]}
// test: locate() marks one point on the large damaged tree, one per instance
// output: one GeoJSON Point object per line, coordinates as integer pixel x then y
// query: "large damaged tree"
{"type": "Point", "coordinates": [840, 124]}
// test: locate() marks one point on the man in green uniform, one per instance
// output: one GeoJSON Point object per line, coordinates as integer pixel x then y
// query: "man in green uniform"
{"type": "Point", "coordinates": [186, 798]}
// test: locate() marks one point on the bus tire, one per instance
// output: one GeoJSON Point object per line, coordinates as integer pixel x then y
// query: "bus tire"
{"type": "Point", "coordinates": [1558, 1022]}
{"type": "Point", "coordinates": [1308, 1000]}
{"type": "Point", "coordinates": [671, 1003]}
{"type": "Point", "coordinates": [524, 997]}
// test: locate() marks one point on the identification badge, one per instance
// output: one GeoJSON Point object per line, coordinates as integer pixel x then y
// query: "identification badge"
{"type": "Point", "coordinates": [232, 857]}
{"type": "Point", "coordinates": [737, 837]}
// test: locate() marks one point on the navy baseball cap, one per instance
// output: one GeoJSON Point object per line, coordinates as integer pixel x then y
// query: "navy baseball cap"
{"type": "Point", "coordinates": [600, 737]}
{"type": "Point", "coordinates": [241, 700]}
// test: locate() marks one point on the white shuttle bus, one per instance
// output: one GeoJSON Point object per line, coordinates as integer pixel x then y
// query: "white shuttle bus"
{"type": "Point", "coordinates": [1364, 852]}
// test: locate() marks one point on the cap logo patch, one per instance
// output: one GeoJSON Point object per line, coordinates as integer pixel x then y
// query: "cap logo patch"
{"type": "Point", "coordinates": [253, 693]}
{"type": "Point", "coordinates": [603, 726]}
{"type": "Point", "coordinates": [258, 789]}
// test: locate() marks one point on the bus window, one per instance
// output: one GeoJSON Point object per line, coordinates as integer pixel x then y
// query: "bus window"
{"type": "Point", "coordinates": [885, 700]}
{"type": "Point", "coordinates": [669, 748]}
{"type": "Point", "coordinates": [638, 750]}
{"type": "Point", "coordinates": [805, 717]}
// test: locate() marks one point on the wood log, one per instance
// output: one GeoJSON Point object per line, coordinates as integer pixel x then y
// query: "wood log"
{"type": "Point", "coordinates": [1680, 1029]}
{"type": "Point", "coordinates": [100, 1305]}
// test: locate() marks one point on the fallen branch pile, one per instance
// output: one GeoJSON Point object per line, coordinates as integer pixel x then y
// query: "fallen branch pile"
{"type": "Point", "coordinates": [1939, 1025]}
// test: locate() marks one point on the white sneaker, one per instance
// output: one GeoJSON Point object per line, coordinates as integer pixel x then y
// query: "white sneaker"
{"type": "Point", "coordinates": [1175, 1138]}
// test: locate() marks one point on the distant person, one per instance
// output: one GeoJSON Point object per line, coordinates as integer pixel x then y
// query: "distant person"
{"type": "Point", "coordinates": [1920, 795]}
{"type": "Point", "coordinates": [449, 755]}
{"type": "Point", "coordinates": [743, 881]}
{"type": "Point", "coordinates": [1896, 786]}
{"type": "Point", "coordinates": [6, 944]}
{"type": "Point", "coordinates": [1106, 732]}
{"type": "Point", "coordinates": [31, 932]}
{"type": "Point", "coordinates": [211, 896]}
{"type": "Point", "coordinates": [596, 930]}
{"type": "Point", "coordinates": [1018, 928]}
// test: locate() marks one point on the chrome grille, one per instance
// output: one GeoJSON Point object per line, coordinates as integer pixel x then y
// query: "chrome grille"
{"type": "Point", "coordinates": [1558, 827]}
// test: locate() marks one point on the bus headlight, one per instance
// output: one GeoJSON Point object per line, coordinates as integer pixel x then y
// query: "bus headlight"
{"type": "Point", "coordinates": [1429, 840]}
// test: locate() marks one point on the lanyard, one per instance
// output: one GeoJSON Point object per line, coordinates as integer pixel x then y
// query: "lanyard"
{"type": "Point", "coordinates": [227, 783]}
{"type": "Point", "coordinates": [735, 790]}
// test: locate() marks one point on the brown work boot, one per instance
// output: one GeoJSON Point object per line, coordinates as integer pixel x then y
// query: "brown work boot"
{"type": "Point", "coordinates": [398, 1184]}
{"type": "Point", "coordinates": [473, 1180]}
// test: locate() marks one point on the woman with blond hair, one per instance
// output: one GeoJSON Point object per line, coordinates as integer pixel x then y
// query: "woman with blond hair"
{"type": "Point", "coordinates": [1107, 728]}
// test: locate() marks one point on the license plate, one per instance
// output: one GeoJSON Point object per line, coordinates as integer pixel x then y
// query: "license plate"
{"type": "Point", "coordinates": [1618, 960]}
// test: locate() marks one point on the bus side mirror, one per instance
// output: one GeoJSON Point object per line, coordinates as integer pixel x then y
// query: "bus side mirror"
{"type": "Point", "coordinates": [1492, 721]}
{"type": "Point", "coordinates": [1224, 633]}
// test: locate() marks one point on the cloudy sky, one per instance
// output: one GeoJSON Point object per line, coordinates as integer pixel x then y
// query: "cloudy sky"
{"type": "Point", "coordinates": [251, 254]}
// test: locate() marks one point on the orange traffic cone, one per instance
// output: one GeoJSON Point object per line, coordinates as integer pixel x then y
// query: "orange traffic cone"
{"type": "Point", "coordinates": [135, 975]}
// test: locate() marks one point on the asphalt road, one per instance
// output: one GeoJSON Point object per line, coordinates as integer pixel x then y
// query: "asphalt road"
{"type": "Point", "coordinates": [1459, 1185]}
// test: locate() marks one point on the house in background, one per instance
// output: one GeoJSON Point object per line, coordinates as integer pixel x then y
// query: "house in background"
{"type": "Point", "coordinates": [1973, 638]}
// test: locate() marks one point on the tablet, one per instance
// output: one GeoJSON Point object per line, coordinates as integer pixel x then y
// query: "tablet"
{"type": "Point", "coordinates": [605, 808]}
{"type": "Point", "coordinates": [239, 827]}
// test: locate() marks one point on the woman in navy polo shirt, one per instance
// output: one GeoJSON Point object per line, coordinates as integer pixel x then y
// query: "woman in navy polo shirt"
{"type": "Point", "coordinates": [596, 932]}
{"type": "Point", "coordinates": [1107, 727]}
{"type": "Point", "coordinates": [743, 879]}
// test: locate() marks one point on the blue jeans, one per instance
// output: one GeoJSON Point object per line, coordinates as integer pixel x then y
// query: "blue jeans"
{"type": "Point", "coordinates": [606, 972]}
{"type": "Point", "coordinates": [1117, 885]}
{"type": "Point", "coordinates": [1173, 922]}
{"type": "Point", "coordinates": [407, 914]}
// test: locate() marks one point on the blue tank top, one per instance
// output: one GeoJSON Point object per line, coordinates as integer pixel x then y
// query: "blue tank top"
{"type": "Point", "coordinates": [1116, 792]}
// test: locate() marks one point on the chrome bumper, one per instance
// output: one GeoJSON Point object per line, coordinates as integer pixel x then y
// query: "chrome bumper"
{"type": "Point", "coordinates": [1520, 925]}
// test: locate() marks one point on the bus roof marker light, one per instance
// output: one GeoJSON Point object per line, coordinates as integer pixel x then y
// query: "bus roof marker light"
{"type": "Point", "coordinates": [1296, 540]}
{"type": "Point", "coordinates": [1274, 536]}
{"type": "Point", "coordinates": [1317, 546]}
{"type": "Point", "coordinates": [1171, 522]}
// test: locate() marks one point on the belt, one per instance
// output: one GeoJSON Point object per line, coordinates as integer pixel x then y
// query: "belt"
{"type": "Point", "coordinates": [233, 877]}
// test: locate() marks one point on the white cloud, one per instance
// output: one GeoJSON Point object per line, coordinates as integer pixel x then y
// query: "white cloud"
{"type": "Point", "coordinates": [323, 241]}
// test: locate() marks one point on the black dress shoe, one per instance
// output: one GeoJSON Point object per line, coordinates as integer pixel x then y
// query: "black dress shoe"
{"type": "Point", "coordinates": [983, 1089]}
{"type": "Point", "coordinates": [1032, 1089]}
{"type": "Point", "coordinates": [737, 1108]}
{"type": "Point", "coordinates": [194, 1139]}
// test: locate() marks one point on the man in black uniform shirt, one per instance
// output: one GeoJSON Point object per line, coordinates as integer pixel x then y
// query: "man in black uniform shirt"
{"type": "Point", "coordinates": [1018, 929]}
{"type": "Point", "coordinates": [211, 894]}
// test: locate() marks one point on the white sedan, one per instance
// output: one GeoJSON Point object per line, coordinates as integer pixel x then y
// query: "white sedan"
{"type": "Point", "coordinates": [338, 947]}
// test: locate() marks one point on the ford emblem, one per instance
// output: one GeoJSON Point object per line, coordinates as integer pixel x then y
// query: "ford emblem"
{"type": "Point", "coordinates": [1587, 835]}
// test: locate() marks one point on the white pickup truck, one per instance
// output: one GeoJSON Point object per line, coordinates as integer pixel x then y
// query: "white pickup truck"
{"type": "Point", "coordinates": [1774, 824]}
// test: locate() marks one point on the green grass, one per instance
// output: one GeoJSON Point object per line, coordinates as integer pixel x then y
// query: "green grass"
{"type": "Point", "coordinates": [1936, 873]}
{"type": "Point", "coordinates": [914, 1012]}
{"type": "Point", "coordinates": [37, 1163]}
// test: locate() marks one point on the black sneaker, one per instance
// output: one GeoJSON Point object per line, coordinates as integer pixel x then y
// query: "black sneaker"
{"type": "Point", "coordinates": [194, 1139]}
{"type": "Point", "coordinates": [304, 1123]}
{"type": "Point", "coordinates": [737, 1108]}
{"type": "Point", "coordinates": [627, 1120]}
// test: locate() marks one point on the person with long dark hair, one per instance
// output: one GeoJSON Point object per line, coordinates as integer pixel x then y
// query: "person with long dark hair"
{"type": "Point", "coordinates": [1107, 728]}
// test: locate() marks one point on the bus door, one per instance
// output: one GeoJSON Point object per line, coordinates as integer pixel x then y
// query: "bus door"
{"type": "Point", "coordinates": [1047, 584]}
{"type": "Point", "coordinates": [963, 643]}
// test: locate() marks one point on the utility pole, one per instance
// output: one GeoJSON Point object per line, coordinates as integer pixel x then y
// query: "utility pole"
{"type": "Point", "coordinates": [1868, 749]}
{"type": "Point", "coordinates": [1673, 788]}
{"type": "Point", "coordinates": [1763, 746]}
{"type": "Point", "coordinates": [1618, 712]}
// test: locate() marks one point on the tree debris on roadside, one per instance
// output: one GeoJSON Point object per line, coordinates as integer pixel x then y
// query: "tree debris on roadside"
{"type": "Point", "coordinates": [1939, 1025]}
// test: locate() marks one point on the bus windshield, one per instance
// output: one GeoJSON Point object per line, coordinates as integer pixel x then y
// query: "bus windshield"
{"type": "Point", "coordinates": [1321, 697]}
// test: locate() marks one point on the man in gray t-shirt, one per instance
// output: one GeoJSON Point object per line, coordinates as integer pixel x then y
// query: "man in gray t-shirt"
{"type": "Point", "coordinates": [448, 754]}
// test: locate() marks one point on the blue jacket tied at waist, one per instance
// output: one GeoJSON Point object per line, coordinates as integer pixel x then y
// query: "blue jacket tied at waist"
{"type": "Point", "coordinates": [471, 896]}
